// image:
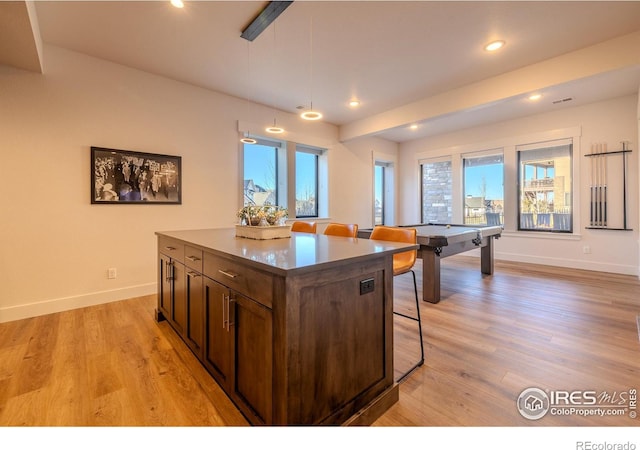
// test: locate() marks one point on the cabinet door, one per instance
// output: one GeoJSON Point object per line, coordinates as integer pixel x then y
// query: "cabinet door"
{"type": "Point", "coordinates": [217, 356]}
{"type": "Point", "coordinates": [179, 305]}
{"type": "Point", "coordinates": [165, 286]}
{"type": "Point", "coordinates": [252, 348]}
{"type": "Point", "coordinates": [194, 332]}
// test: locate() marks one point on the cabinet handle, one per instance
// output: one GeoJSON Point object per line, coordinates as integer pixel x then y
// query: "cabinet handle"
{"type": "Point", "coordinates": [228, 274]}
{"type": "Point", "coordinates": [224, 315]}
{"type": "Point", "coordinates": [170, 248]}
{"type": "Point", "coordinates": [193, 274]}
{"type": "Point", "coordinates": [229, 323]}
{"type": "Point", "coordinates": [168, 271]}
{"type": "Point", "coordinates": [193, 258]}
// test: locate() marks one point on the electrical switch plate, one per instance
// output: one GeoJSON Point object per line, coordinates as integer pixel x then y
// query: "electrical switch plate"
{"type": "Point", "coordinates": [112, 273]}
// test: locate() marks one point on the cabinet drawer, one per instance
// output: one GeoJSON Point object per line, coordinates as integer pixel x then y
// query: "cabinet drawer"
{"type": "Point", "coordinates": [193, 258]}
{"type": "Point", "coordinates": [171, 247]}
{"type": "Point", "coordinates": [250, 282]}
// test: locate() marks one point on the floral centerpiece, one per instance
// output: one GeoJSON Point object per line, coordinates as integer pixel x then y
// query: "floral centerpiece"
{"type": "Point", "coordinates": [265, 215]}
{"type": "Point", "coordinates": [262, 222]}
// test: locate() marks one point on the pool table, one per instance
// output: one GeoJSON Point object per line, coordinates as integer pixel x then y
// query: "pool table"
{"type": "Point", "coordinates": [441, 240]}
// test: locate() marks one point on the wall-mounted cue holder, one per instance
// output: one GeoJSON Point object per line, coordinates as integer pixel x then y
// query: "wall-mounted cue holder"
{"type": "Point", "coordinates": [608, 190]}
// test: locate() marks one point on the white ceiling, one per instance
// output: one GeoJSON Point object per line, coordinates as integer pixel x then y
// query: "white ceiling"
{"type": "Point", "coordinates": [385, 53]}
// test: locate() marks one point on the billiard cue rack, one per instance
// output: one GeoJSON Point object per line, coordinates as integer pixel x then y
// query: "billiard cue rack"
{"type": "Point", "coordinates": [599, 215]}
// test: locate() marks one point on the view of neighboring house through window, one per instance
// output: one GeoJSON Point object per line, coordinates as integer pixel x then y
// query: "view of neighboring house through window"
{"type": "Point", "coordinates": [260, 174]}
{"type": "Point", "coordinates": [379, 186]}
{"type": "Point", "coordinates": [484, 189]}
{"type": "Point", "coordinates": [545, 186]}
{"type": "Point", "coordinates": [306, 182]}
{"type": "Point", "coordinates": [436, 191]}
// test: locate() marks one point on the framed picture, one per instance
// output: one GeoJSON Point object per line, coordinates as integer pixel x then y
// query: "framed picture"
{"type": "Point", "coordinates": [123, 176]}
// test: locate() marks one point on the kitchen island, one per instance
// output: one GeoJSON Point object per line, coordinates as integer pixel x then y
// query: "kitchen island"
{"type": "Point", "coordinates": [297, 331]}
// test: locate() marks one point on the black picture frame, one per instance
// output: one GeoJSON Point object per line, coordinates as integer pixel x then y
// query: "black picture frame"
{"type": "Point", "coordinates": [130, 177]}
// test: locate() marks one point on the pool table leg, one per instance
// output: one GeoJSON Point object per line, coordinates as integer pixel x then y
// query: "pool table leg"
{"type": "Point", "coordinates": [486, 257]}
{"type": "Point", "coordinates": [430, 275]}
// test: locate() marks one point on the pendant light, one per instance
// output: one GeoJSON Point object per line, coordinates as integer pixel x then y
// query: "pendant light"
{"type": "Point", "coordinates": [310, 114]}
{"type": "Point", "coordinates": [247, 139]}
{"type": "Point", "coordinates": [275, 129]}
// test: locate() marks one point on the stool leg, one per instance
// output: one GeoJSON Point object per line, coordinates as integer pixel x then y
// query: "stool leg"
{"type": "Point", "coordinates": [417, 319]}
{"type": "Point", "coordinates": [415, 289]}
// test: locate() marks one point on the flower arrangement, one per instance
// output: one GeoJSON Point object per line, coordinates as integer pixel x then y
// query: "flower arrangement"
{"type": "Point", "coordinates": [265, 215]}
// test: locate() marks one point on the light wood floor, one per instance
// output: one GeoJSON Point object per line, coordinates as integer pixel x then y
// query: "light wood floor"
{"type": "Point", "coordinates": [487, 340]}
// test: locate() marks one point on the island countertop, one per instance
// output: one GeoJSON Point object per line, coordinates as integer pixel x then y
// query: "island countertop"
{"type": "Point", "coordinates": [285, 256]}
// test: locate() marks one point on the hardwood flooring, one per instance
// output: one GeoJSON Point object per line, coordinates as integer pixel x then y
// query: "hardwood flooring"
{"type": "Point", "coordinates": [488, 339]}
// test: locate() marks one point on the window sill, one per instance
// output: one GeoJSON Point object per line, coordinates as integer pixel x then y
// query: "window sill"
{"type": "Point", "coordinates": [542, 235]}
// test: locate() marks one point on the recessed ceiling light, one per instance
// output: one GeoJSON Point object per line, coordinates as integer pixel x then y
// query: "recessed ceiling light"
{"type": "Point", "coordinates": [354, 103]}
{"type": "Point", "coordinates": [414, 126]}
{"type": "Point", "coordinates": [177, 3]}
{"type": "Point", "coordinates": [493, 46]}
{"type": "Point", "coordinates": [535, 97]}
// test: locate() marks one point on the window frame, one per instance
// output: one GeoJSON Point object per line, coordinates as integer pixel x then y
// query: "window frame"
{"type": "Point", "coordinates": [300, 148]}
{"type": "Point", "coordinates": [477, 155]}
{"type": "Point", "coordinates": [285, 176]}
{"type": "Point", "coordinates": [385, 167]}
{"type": "Point", "coordinates": [531, 147]}
{"type": "Point", "coordinates": [278, 147]}
{"type": "Point", "coordinates": [422, 162]}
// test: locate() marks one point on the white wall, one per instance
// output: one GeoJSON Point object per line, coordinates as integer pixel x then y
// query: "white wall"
{"type": "Point", "coordinates": [351, 178]}
{"type": "Point", "coordinates": [609, 121]}
{"type": "Point", "coordinates": [56, 246]}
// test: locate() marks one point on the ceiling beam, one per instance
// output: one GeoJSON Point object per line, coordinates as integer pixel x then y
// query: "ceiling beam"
{"type": "Point", "coordinates": [264, 19]}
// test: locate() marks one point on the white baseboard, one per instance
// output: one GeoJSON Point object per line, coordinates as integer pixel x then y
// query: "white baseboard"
{"type": "Point", "coordinates": [18, 312]}
{"type": "Point", "coordinates": [569, 263]}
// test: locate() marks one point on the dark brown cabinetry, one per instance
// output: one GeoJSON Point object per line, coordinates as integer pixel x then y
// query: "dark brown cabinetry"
{"type": "Point", "coordinates": [285, 326]}
{"type": "Point", "coordinates": [238, 349]}
{"type": "Point", "coordinates": [194, 330]}
{"type": "Point", "coordinates": [217, 355]}
{"type": "Point", "coordinates": [194, 327]}
{"type": "Point", "coordinates": [172, 295]}
{"type": "Point", "coordinates": [228, 332]}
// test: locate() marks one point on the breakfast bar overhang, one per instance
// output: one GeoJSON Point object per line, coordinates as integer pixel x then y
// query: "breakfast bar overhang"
{"type": "Point", "coordinates": [297, 331]}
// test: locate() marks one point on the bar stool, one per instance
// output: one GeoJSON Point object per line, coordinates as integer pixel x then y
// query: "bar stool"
{"type": "Point", "coordinates": [342, 229]}
{"type": "Point", "coordinates": [304, 227]}
{"type": "Point", "coordinates": [403, 263]}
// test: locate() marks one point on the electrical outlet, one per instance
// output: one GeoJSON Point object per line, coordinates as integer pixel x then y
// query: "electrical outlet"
{"type": "Point", "coordinates": [367, 286]}
{"type": "Point", "coordinates": [586, 249]}
{"type": "Point", "coordinates": [112, 273]}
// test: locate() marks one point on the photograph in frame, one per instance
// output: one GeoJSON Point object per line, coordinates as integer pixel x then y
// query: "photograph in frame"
{"type": "Point", "coordinates": [126, 177]}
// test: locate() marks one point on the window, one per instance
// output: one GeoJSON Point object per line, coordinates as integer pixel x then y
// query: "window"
{"type": "Point", "coordinates": [260, 174]}
{"type": "Point", "coordinates": [436, 191]}
{"type": "Point", "coordinates": [544, 185]}
{"type": "Point", "coordinates": [379, 189]}
{"type": "Point", "coordinates": [483, 189]}
{"type": "Point", "coordinates": [306, 182]}
{"type": "Point", "coordinates": [270, 168]}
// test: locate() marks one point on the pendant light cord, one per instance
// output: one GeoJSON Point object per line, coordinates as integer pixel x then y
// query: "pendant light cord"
{"type": "Point", "coordinates": [311, 61]}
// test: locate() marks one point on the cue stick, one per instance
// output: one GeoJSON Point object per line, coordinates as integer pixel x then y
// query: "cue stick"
{"type": "Point", "coordinates": [599, 184]}
{"type": "Point", "coordinates": [595, 185]}
{"type": "Point", "coordinates": [604, 182]}
{"type": "Point", "coordinates": [592, 210]}
{"type": "Point", "coordinates": [597, 163]}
